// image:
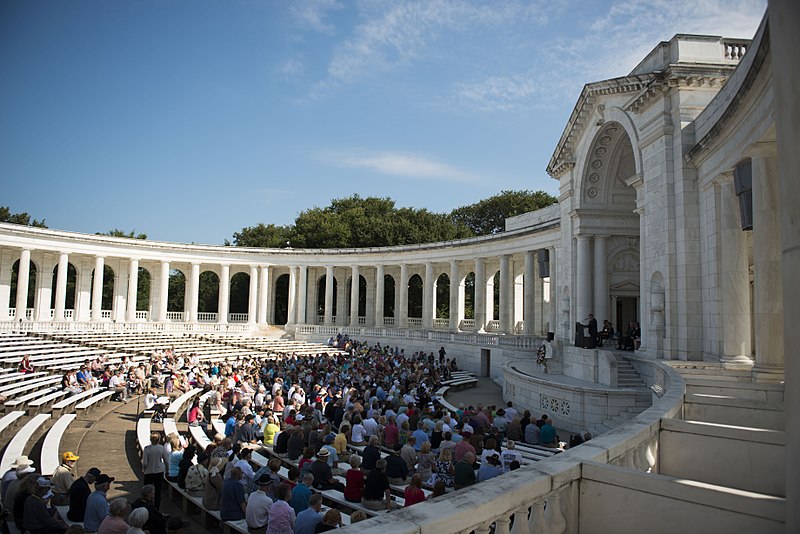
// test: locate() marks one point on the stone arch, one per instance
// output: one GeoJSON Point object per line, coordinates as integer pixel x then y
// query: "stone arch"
{"type": "Point", "coordinates": [608, 163]}
{"type": "Point", "coordinates": [415, 296]}
{"type": "Point", "coordinates": [208, 292]}
{"type": "Point", "coordinates": [32, 272]}
{"type": "Point", "coordinates": [389, 295]}
{"type": "Point", "coordinates": [469, 295]}
{"type": "Point", "coordinates": [240, 293]}
{"type": "Point", "coordinates": [281, 314]}
{"type": "Point", "coordinates": [72, 278]}
{"type": "Point", "coordinates": [442, 289]}
{"type": "Point", "coordinates": [176, 293]}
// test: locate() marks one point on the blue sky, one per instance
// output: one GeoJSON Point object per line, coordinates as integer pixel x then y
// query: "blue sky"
{"type": "Point", "coordinates": [188, 120]}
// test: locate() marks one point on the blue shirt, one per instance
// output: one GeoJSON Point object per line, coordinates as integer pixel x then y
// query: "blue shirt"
{"type": "Point", "coordinates": [307, 521]}
{"type": "Point", "coordinates": [96, 511]}
{"type": "Point", "coordinates": [300, 496]}
{"type": "Point", "coordinates": [232, 499]}
{"type": "Point", "coordinates": [230, 427]}
{"type": "Point", "coordinates": [421, 437]}
{"type": "Point", "coordinates": [175, 458]}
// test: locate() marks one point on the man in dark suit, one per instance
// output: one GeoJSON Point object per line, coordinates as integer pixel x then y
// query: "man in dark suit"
{"type": "Point", "coordinates": [592, 331]}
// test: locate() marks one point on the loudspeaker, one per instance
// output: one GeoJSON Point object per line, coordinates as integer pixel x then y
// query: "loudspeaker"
{"type": "Point", "coordinates": [543, 256]}
{"type": "Point", "coordinates": [551, 336]}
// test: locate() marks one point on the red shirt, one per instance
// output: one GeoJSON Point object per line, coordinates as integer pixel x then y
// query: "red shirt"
{"type": "Point", "coordinates": [413, 495]}
{"type": "Point", "coordinates": [354, 488]}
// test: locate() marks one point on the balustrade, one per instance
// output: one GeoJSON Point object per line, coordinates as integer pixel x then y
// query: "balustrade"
{"type": "Point", "coordinates": [362, 320]}
{"type": "Point", "coordinates": [174, 316]}
{"type": "Point", "coordinates": [493, 326]}
{"type": "Point", "coordinates": [467, 324]}
{"type": "Point", "coordinates": [441, 323]}
{"type": "Point", "coordinates": [237, 317]}
{"type": "Point", "coordinates": [142, 315]}
{"type": "Point", "coordinates": [414, 322]}
{"type": "Point", "coordinates": [734, 50]}
{"type": "Point", "coordinates": [388, 321]}
{"type": "Point", "coordinates": [105, 314]}
{"type": "Point", "coordinates": [207, 317]}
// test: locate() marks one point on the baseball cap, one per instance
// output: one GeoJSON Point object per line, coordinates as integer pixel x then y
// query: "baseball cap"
{"type": "Point", "coordinates": [69, 457]}
{"type": "Point", "coordinates": [103, 479]}
{"type": "Point", "coordinates": [95, 472]}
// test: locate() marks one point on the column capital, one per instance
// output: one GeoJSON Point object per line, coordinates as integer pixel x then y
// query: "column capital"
{"type": "Point", "coordinates": [762, 149]}
{"type": "Point", "coordinates": [723, 178]}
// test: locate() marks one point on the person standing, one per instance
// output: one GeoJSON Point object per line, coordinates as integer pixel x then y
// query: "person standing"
{"type": "Point", "coordinates": [592, 331]}
{"type": "Point", "coordinates": [63, 478]}
{"type": "Point", "coordinates": [155, 460]}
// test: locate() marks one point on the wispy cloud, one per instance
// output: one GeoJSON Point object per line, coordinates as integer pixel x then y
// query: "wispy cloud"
{"type": "Point", "coordinates": [312, 14]}
{"type": "Point", "coordinates": [398, 163]}
{"type": "Point", "coordinates": [290, 69]}
{"type": "Point", "coordinates": [405, 32]}
{"type": "Point", "coordinates": [498, 93]}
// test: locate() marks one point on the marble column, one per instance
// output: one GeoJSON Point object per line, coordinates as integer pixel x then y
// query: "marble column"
{"type": "Point", "coordinates": [329, 295]}
{"type": "Point", "coordinates": [23, 273]}
{"type": "Point", "coordinates": [291, 305]}
{"type": "Point", "coordinates": [480, 294]}
{"type": "Point", "coordinates": [224, 302]}
{"type": "Point", "coordinates": [97, 289]}
{"type": "Point", "coordinates": [194, 292]}
{"type": "Point", "coordinates": [767, 278]}
{"type": "Point", "coordinates": [354, 294]}
{"type": "Point", "coordinates": [163, 287]}
{"type": "Point", "coordinates": [252, 300]}
{"type": "Point", "coordinates": [735, 315]}
{"type": "Point", "coordinates": [600, 281]}
{"type": "Point", "coordinates": [6, 265]}
{"type": "Point", "coordinates": [264, 295]}
{"type": "Point", "coordinates": [506, 299]}
{"type": "Point", "coordinates": [401, 306]}
{"type": "Point", "coordinates": [133, 288]}
{"type": "Point", "coordinates": [342, 313]}
{"type": "Point", "coordinates": [380, 289]}
{"type": "Point", "coordinates": [120, 290]}
{"type": "Point", "coordinates": [61, 286]}
{"type": "Point", "coordinates": [529, 293]}
{"type": "Point", "coordinates": [553, 303]}
{"type": "Point", "coordinates": [428, 298]}
{"type": "Point", "coordinates": [584, 281]}
{"type": "Point", "coordinates": [455, 316]}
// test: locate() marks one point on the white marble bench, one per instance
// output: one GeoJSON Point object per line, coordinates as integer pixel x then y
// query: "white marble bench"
{"type": "Point", "coordinates": [16, 447]}
{"type": "Point", "coordinates": [50, 458]}
{"type": "Point", "coordinates": [92, 401]}
{"type": "Point", "coordinates": [72, 399]}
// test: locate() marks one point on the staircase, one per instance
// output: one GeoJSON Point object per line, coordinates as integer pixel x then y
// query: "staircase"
{"type": "Point", "coordinates": [627, 377]}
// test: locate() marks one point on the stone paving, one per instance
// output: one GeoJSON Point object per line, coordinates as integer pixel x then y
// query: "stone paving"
{"type": "Point", "coordinates": [110, 445]}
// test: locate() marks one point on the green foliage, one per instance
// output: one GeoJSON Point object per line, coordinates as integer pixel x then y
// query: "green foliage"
{"type": "Point", "coordinates": [376, 222]}
{"type": "Point", "coordinates": [488, 216]}
{"type": "Point", "coordinates": [262, 236]}
{"type": "Point", "coordinates": [19, 218]}
{"type": "Point", "coordinates": [121, 233]}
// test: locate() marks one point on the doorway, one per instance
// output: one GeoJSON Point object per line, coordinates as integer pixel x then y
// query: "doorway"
{"type": "Point", "coordinates": [626, 312]}
{"type": "Point", "coordinates": [486, 362]}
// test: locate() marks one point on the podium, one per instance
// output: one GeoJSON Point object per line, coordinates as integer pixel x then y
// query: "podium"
{"type": "Point", "coordinates": [582, 339]}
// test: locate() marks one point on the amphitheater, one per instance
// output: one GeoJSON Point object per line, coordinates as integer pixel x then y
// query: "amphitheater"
{"type": "Point", "coordinates": [677, 209]}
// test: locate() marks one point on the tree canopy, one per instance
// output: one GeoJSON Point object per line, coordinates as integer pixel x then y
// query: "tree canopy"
{"type": "Point", "coordinates": [19, 218]}
{"type": "Point", "coordinates": [122, 233]}
{"type": "Point", "coordinates": [488, 216]}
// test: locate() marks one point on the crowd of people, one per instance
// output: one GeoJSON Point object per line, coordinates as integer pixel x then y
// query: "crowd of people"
{"type": "Point", "coordinates": [311, 413]}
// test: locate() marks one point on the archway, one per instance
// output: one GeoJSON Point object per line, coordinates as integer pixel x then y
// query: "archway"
{"type": "Point", "coordinates": [469, 296]}
{"type": "Point", "coordinates": [442, 291]}
{"type": "Point", "coordinates": [240, 293]}
{"type": "Point", "coordinates": [415, 297]}
{"type": "Point", "coordinates": [208, 296]}
{"type": "Point", "coordinates": [608, 284]}
{"type": "Point", "coordinates": [281, 314]}
{"type": "Point", "coordinates": [388, 296]}
{"type": "Point", "coordinates": [176, 295]}
{"type": "Point", "coordinates": [143, 290]}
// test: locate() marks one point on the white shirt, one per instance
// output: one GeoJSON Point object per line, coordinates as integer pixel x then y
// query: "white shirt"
{"type": "Point", "coordinates": [357, 433]}
{"type": "Point", "coordinates": [115, 381]}
{"type": "Point", "coordinates": [247, 472]}
{"type": "Point", "coordinates": [370, 427]}
{"type": "Point", "coordinates": [257, 511]}
{"type": "Point", "coordinates": [508, 456]}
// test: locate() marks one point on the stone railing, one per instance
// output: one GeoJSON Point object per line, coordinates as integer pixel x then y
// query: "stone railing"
{"type": "Point", "coordinates": [105, 314]}
{"type": "Point", "coordinates": [414, 322]}
{"type": "Point", "coordinates": [544, 496]}
{"type": "Point", "coordinates": [238, 317]}
{"type": "Point", "coordinates": [467, 324]}
{"type": "Point", "coordinates": [441, 323]}
{"type": "Point", "coordinates": [141, 315]}
{"type": "Point", "coordinates": [734, 49]}
{"type": "Point", "coordinates": [206, 317]}
{"type": "Point", "coordinates": [106, 326]}
{"type": "Point", "coordinates": [466, 338]}
{"type": "Point", "coordinates": [174, 316]}
{"type": "Point", "coordinates": [12, 313]}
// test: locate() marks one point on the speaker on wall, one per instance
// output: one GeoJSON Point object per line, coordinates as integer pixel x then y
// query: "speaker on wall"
{"type": "Point", "coordinates": [543, 256]}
